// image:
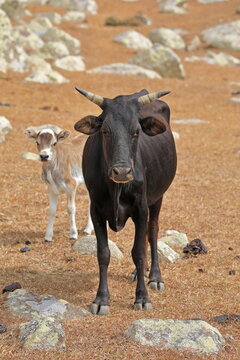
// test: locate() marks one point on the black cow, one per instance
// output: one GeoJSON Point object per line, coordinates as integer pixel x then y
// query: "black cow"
{"type": "Point", "coordinates": [128, 164]}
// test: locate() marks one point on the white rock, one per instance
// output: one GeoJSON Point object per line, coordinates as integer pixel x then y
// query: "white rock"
{"type": "Point", "coordinates": [160, 59]}
{"type": "Point", "coordinates": [74, 16]}
{"type": "Point", "coordinates": [71, 63]}
{"type": "Point", "coordinates": [167, 37]}
{"type": "Point", "coordinates": [40, 25]}
{"type": "Point", "coordinates": [3, 65]}
{"type": "Point", "coordinates": [234, 99]}
{"type": "Point", "coordinates": [54, 50]}
{"type": "Point", "coordinates": [174, 238]}
{"type": "Point", "coordinates": [5, 128]}
{"type": "Point", "coordinates": [125, 69]}
{"type": "Point", "coordinates": [165, 253]}
{"type": "Point", "coordinates": [88, 245]}
{"type": "Point", "coordinates": [30, 156]}
{"type": "Point", "coordinates": [133, 40]}
{"type": "Point", "coordinates": [55, 34]}
{"type": "Point", "coordinates": [194, 44]}
{"type": "Point", "coordinates": [54, 17]}
{"type": "Point", "coordinates": [188, 121]}
{"type": "Point", "coordinates": [172, 6]}
{"type": "Point", "coordinates": [226, 36]}
{"type": "Point", "coordinates": [212, 58]}
{"type": "Point", "coordinates": [86, 6]}
{"type": "Point", "coordinates": [36, 64]}
{"type": "Point", "coordinates": [15, 8]}
{"type": "Point", "coordinates": [46, 77]}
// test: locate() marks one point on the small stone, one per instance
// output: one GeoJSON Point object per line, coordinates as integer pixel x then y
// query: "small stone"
{"type": "Point", "coordinates": [195, 247]}
{"type": "Point", "coordinates": [28, 242]}
{"type": "Point", "coordinates": [201, 270]}
{"type": "Point", "coordinates": [166, 254]}
{"type": "Point", "coordinates": [30, 156]}
{"type": "Point", "coordinates": [230, 248]}
{"type": "Point", "coordinates": [226, 318]}
{"type": "Point", "coordinates": [232, 272]}
{"type": "Point", "coordinates": [25, 249]}
{"type": "Point", "coordinates": [3, 328]}
{"type": "Point", "coordinates": [12, 287]}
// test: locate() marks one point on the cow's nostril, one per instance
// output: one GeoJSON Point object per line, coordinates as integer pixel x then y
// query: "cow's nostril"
{"type": "Point", "coordinates": [44, 157]}
{"type": "Point", "coordinates": [116, 171]}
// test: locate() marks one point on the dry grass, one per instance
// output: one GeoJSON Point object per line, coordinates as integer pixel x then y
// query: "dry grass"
{"type": "Point", "coordinates": [203, 200]}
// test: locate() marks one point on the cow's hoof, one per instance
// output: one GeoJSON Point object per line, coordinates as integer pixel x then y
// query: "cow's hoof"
{"type": "Point", "coordinates": [99, 309]}
{"type": "Point", "coordinates": [47, 241]}
{"type": "Point", "coordinates": [156, 285]}
{"type": "Point", "coordinates": [73, 238]}
{"type": "Point", "coordinates": [140, 306]}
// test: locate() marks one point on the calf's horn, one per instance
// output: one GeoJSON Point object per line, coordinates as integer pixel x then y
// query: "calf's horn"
{"type": "Point", "coordinates": [92, 97]}
{"type": "Point", "coordinates": [146, 99]}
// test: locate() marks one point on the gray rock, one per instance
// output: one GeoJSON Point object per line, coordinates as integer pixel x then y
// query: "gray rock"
{"type": "Point", "coordinates": [74, 16]}
{"type": "Point", "coordinates": [71, 63]}
{"type": "Point", "coordinates": [15, 8]}
{"type": "Point", "coordinates": [212, 58]}
{"type": "Point", "coordinates": [162, 60]}
{"type": "Point", "coordinates": [188, 121]}
{"type": "Point", "coordinates": [40, 25]}
{"type": "Point", "coordinates": [53, 16]}
{"type": "Point", "coordinates": [24, 303]}
{"type": "Point", "coordinates": [195, 336]}
{"type": "Point", "coordinates": [53, 50]}
{"type": "Point", "coordinates": [42, 334]}
{"type": "Point", "coordinates": [133, 40]}
{"type": "Point", "coordinates": [166, 254]}
{"type": "Point", "coordinates": [86, 6]}
{"type": "Point", "coordinates": [30, 156]}
{"type": "Point", "coordinates": [5, 128]}
{"type": "Point", "coordinates": [172, 6]}
{"type": "Point", "coordinates": [88, 245]}
{"type": "Point", "coordinates": [174, 238]}
{"type": "Point", "coordinates": [125, 69]}
{"type": "Point", "coordinates": [167, 37]}
{"type": "Point", "coordinates": [55, 34]}
{"type": "Point", "coordinates": [226, 36]}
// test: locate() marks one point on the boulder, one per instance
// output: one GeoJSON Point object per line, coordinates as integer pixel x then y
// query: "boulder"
{"type": "Point", "coordinates": [25, 303]}
{"type": "Point", "coordinates": [40, 25]}
{"type": "Point", "coordinates": [29, 40]}
{"type": "Point", "coordinates": [125, 69]}
{"type": "Point", "coordinates": [213, 58]}
{"type": "Point", "coordinates": [47, 77]}
{"type": "Point", "coordinates": [162, 60]}
{"type": "Point", "coordinates": [194, 336]}
{"type": "Point", "coordinates": [42, 334]}
{"type": "Point", "coordinates": [53, 16]}
{"type": "Point", "coordinates": [86, 6]}
{"type": "Point", "coordinates": [55, 34]}
{"type": "Point", "coordinates": [15, 8]}
{"type": "Point", "coordinates": [172, 6]}
{"type": "Point", "coordinates": [194, 44]}
{"type": "Point", "coordinates": [70, 63]}
{"type": "Point", "coordinates": [133, 40]}
{"type": "Point", "coordinates": [6, 28]}
{"type": "Point", "coordinates": [167, 37]}
{"type": "Point", "coordinates": [53, 50]}
{"type": "Point", "coordinates": [5, 128]}
{"type": "Point", "coordinates": [225, 36]}
{"type": "Point", "coordinates": [87, 245]}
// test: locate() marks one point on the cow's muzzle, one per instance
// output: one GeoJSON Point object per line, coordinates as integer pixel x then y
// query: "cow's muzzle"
{"type": "Point", "coordinates": [121, 174]}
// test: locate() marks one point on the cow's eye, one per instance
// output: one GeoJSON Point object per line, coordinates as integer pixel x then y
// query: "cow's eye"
{"type": "Point", "coordinates": [55, 144]}
{"type": "Point", "coordinates": [105, 132]}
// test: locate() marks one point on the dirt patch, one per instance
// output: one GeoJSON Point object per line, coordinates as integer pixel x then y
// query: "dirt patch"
{"type": "Point", "coordinates": [202, 202]}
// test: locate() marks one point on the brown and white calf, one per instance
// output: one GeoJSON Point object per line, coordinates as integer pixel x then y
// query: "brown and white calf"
{"type": "Point", "coordinates": [61, 171]}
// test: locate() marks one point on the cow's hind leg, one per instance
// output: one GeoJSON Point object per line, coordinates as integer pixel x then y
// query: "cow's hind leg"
{"type": "Point", "coordinates": [100, 305]}
{"type": "Point", "coordinates": [155, 278]}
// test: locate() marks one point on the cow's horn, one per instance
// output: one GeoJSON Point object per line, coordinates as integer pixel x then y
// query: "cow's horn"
{"type": "Point", "coordinates": [146, 99]}
{"type": "Point", "coordinates": [92, 97]}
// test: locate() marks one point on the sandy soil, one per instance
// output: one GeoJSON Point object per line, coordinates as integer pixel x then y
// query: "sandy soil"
{"type": "Point", "coordinates": [202, 202]}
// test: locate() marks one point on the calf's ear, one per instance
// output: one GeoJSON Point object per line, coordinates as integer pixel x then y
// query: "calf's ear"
{"type": "Point", "coordinates": [31, 134]}
{"type": "Point", "coordinates": [63, 135]}
{"type": "Point", "coordinates": [152, 126]}
{"type": "Point", "coordinates": [88, 125]}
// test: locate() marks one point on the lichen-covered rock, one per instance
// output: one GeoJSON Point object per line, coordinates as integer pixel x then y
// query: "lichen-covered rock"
{"type": "Point", "coordinates": [30, 41]}
{"type": "Point", "coordinates": [53, 16]}
{"type": "Point", "coordinates": [42, 334]}
{"type": "Point", "coordinates": [24, 303]}
{"type": "Point", "coordinates": [55, 34]}
{"type": "Point", "coordinates": [125, 69]}
{"type": "Point", "coordinates": [133, 40]}
{"type": "Point", "coordinates": [225, 36]}
{"type": "Point", "coordinates": [160, 59]}
{"type": "Point", "coordinates": [86, 6]}
{"type": "Point", "coordinates": [88, 245]}
{"type": "Point", "coordinates": [15, 8]}
{"type": "Point", "coordinates": [71, 63]}
{"type": "Point", "coordinates": [53, 50]}
{"type": "Point", "coordinates": [167, 37]}
{"type": "Point", "coordinates": [40, 25]}
{"type": "Point", "coordinates": [195, 336]}
{"type": "Point", "coordinates": [174, 238]}
{"type": "Point", "coordinates": [5, 128]}
{"type": "Point", "coordinates": [5, 27]}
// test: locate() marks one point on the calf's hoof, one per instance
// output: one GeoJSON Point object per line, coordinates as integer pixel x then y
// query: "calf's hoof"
{"type": "Point", "coordinates": [146, 306]}
{"type": "Point", "coordinates": [73, 238]}
{"type": "Point", "coordinates": [156, 285]}
{"type": "Point", "coordinates": [99, 309]}
{"type": "Point", "coordinates": [47, 240]}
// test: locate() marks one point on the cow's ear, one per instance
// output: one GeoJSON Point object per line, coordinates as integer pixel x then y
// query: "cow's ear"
{"type": "Point", "coordinates": [152, 126]}
{"type": "Point", "coordinates": [31, 134]}
{"type": "Point", "coordinates": [62, 135]}
{"type": "Point", "coordinates": [88, 125]}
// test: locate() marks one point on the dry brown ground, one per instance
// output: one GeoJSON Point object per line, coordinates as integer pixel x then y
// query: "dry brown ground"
{"type": "Point", "coordinates": [202, 202]}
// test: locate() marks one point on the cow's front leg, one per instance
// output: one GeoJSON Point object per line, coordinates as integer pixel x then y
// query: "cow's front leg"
{"type": "Point", "coordinates": [100, 305]}
{"type": "Point", "coordinates": [138, 255]}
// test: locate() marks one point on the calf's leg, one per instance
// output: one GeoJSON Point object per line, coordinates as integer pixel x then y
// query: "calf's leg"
{"type": "Point", "coordinates": [71, 209]}
{"type": "Point", "coordinates": [53, 200]}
